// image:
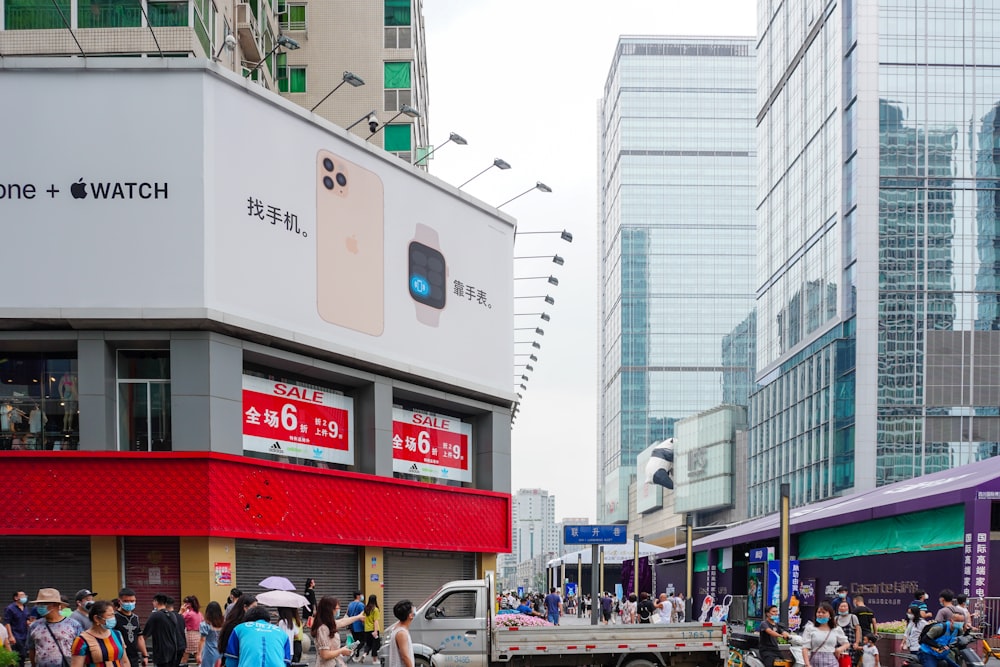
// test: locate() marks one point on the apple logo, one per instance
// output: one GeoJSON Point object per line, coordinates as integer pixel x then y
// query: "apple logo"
{"type": "Point", "coordinates": [352, 244]}
{"type": "Point", "coordinates": [79, 189]}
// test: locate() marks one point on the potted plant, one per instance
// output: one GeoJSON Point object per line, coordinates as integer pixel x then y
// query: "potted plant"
{"type": "Point", "coordinates": [8, 658]}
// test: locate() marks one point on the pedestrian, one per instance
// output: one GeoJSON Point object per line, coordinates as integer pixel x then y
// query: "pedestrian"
{"type": "Point", "coordinates": [179, 629]}
{"type": "Point", "coordinates": [357, 608]}
{"type": "Point", "coordinates": [238, 609]}
{"type": "Point", "coordinates": [606, 607]}
{"type": "Point", "coordinates": [161, 631]}
{"type": "Point", "coordinates": [553, 606]}
{"type": "Point", "coordinates": [947, 600]}
{"type": "Point", "coordinates": [84, 598]}
{"type": "Point", "coordinates": [191, 613]}
{"type": "Point", "coordinates": [841, 596]}
{"type": "Point", "coordinates": [920, 601]}
{"type": "Point", "coordinates": [100, 645]}
{"type": "Point", "coordinates": [934, 645]}
{"type": "Point", "coordinates": [869, 652]}
{"type": "Point", "coordinates": [679, 615]}
{"type": "Point", "coordinates": [665, 608]}
{"type": "Point", "coordinates": [208, 632]}
{"type": "Point", "coordinates": [234, 595]}
{"type": "Point", "coordinates": [50, 638]}
{"type": "Point", "coordinates": [373, 623]}
{"type": "Point", "coordinates": [400, 646]}
{"type": "Point", "coordinates": [289, 621]}
{"type": "Point", "coordinates": [915, 623]}
{"type": "Point", "coordinates": [16, 618]}
{"type": "Point", "coordinates": [851, 627]}
{"type": "Point", "coordinates": [325, 628]}
{"type": "Point", "coordinates": [309, 611]}
{"type": "Point", "coordinates": [961, 604]}
{"type": "Point", "coordinates": [823, 642]}
{"type": "Point", "coordinates": [257, 643]}
{"type": "Point", "coordinates": [128, 626]}
{"type": "Point", "coordinates": [866, 617]}
{"type": "Point", "coordinates": [646, 608]}
{"type": "Point", "coordinates": [629, 609]}
{"type": "Point", "coordinates": [770, 633]}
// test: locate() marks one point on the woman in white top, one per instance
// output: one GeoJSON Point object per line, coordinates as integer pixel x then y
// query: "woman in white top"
{"type": "Point", "coordinates": [915, 622]}
{"type": "Point", "coordinates": [823, 642]}
{"type": "Point", "coordinates": [400, 646]}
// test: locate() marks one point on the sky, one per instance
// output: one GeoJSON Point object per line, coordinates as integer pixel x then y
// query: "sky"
{"type": "Point", "coordinates": [521, 80]}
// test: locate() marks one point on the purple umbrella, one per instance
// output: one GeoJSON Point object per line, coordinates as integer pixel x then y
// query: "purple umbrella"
{"type": "Point", "coordinates": [277, 583]}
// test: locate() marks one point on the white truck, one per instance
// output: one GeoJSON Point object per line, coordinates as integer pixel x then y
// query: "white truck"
{"type": "Point", "coordinates": [454, 628]}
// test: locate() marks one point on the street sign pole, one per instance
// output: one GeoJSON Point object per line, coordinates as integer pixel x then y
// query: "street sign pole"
{"type": "Point", "coordinates": [595, 600]}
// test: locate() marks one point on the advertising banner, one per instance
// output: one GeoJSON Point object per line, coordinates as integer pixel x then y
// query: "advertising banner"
{"type": "Point", "coordinates": [431, 445]}
{"type": "Point", "coordinates": [648, 496]}
{"type": "Point", "coordinates": [755, 590]}
{"type": "Point", "coordinates": [299, 422]}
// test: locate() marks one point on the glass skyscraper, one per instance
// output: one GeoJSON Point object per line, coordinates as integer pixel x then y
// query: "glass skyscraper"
{"type": "Point", "coordinates": [877, 276]}
{"type": "Point", "coordinates": [676, 243]}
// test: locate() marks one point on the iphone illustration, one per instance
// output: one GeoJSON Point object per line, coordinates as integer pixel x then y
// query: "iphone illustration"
{"type": "Point", "coordinates": [349, 245]}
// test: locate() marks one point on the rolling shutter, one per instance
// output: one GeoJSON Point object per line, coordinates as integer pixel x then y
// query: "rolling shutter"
{"type": "Point", "coordinates": [30, 563]}
{"type": "Point", "coordinates": [335, 568]}
{"type": "Point", "coordinates": [152, 565]}
{"type": "Point", "coordinates": [414, 575]}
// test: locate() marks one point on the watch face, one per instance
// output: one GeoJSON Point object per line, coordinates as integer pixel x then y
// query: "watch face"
{"type": "Point", "coordinates": [427, 275]}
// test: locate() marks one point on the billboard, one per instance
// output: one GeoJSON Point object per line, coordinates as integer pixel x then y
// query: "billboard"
{"type": "Point", "coordinates": [196, 195]}
{"type": "Point", "coordinates": [648, 496]}
{"type": "Point", "coordinates": [285, 419]}
{"type": "Point", "coordinates": [703, 459]}
{"type": "Point", "coordinates": [431, 445]}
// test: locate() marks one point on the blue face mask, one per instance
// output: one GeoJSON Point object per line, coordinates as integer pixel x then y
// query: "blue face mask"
{"type": "Point", "coordinates": [775, 618]}
{"type": "Point", "coordinates": [128, 606]}
{"type": "Point", "coordinates": [958, 625]}
{"type": "Point", "coordinates": [822, 620]}
{"type": "Point", "coordinates": [110, 623]}
{"type": "Point", "coordinates": [41, 611]}
{"type": "Point", "coordinates": [22, 600]}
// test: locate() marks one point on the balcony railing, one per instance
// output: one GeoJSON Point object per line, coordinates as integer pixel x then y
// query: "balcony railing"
{"type": "Point", "coordinates": [93, 15]}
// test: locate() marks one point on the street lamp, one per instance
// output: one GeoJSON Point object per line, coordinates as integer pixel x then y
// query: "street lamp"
{"type": "Point", "coordinates": [552, 280]}
{"type": "Point", "coordinates": [352, 79]}
{"type": "Point", "coordinates": [564, 235]}
{"type": "Point", "coordinates": [537, 186]}
{"type": "Point", "coordinates": [537, 330]}
{"type": "Point", "coordinates": [403, 109]}
{"type": "Point", "coordinates": [556, 259]}
{"type": "Point", "coordinates": [534, 343]}
{"type": "Point", "coordinates": [526, 354]}
{"type": "Point", "coordinates": [499, 163]}
{"type": "Point", "coordinates": [545, 316]}
{"type": "Point", "coordinates": [283, 41]}
{"type": "Point", "coordinates": [548, 299]}
{"type": "Point", "coordinates": [454, 138]}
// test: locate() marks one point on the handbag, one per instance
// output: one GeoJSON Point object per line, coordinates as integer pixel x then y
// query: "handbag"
{"type": "Point", "coordinates": [65, 660]}
{"type": "Point", "coordinates": [844, 659]}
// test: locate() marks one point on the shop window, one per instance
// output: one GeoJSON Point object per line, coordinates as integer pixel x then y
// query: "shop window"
{"type": "Point", "coordinates": [167, 14]}
{"type": "Point", "coordinates": [39, 401]}
{"type": "Point", "coordinates": [144, 400]}
{"type": "Point", "coordinates": [109, 14]}
{"type": "Point", "coordinates": [35, 14]}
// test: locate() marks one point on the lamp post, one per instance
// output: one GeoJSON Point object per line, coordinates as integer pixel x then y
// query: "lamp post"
{"type": "Point", "coordinates": [352, 79]}
{"type": "Point", "coordinates": [556, 259]}
{"type": "Point", "coordinates": [499, 163]}
{"type": "Point", "coordinates": [544, 316]}
{"type": "Point", "coordinates": [548, 299]}
{"type": "Point", "coordinates": [537, 186]}
{"type": "Point", "coordinates": [538, 330]}
{"type": "Point", "coordinates": [283, 41]}
{"type": "Point", "coordinates": [404, 109]}
{"type": "Point", "coordinates": [564, 235]}
{"type": "Point", "coordinates": [453, 137]}
{"type": "Point", "coordinates": [552, 280]}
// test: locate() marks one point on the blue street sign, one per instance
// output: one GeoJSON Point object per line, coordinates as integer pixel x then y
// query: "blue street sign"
{"type": "Point", "coordinates": [595, 534]}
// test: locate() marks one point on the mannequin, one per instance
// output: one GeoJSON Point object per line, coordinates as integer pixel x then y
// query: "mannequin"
{"type": "Point", "coordinates": [67, 392]}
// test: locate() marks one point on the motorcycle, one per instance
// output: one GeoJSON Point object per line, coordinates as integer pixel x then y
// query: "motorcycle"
{"type": "Point", "coordinates": [960, 651]}
{"type": "Point", "coordinates": [744, 648]}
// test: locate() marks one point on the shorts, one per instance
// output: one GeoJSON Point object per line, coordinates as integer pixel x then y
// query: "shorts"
{"type": "Point", "coordinates": [606, 615]}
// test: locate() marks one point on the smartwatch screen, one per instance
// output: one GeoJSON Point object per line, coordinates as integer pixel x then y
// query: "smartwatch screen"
{"type": "Point", "coordinates": [427, 275]}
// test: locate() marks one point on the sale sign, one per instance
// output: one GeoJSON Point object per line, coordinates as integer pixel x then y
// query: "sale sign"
{"type": "Point", "coordinates": [289, 420]}
{"type": "Point", "coordinates": [431, 445]}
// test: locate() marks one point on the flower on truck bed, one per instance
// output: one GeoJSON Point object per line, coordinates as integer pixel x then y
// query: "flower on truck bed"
{"type": "Point", "coordinates": [518, 621]}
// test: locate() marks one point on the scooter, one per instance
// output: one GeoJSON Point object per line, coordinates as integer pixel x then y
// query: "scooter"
{"type": "Point", "coordinates": [961, 652]}
{"type": "Point", "coordinates": [744, 648]}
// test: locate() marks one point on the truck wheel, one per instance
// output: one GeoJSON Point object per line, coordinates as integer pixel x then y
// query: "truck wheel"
{"type": "Point", "coordinates": [420, 661]}
{"type": "Point", "coordinates": [641, 662]}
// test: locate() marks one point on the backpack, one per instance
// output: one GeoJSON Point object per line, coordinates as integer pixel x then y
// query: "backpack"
{"type": "Point", "coordinates": [644, 613]}
{"type": "Point", "coordinates": [925, 638]}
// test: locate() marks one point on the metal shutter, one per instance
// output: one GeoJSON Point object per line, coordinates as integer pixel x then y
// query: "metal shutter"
{"type": "Point", "coordinates": [152, 565]}
{"type": "Point", "coordinates": [335, 568]}
{"type": "Point", "coordinates": [414, 575]}
{"type": "Point", "coordinates": [30, 563]}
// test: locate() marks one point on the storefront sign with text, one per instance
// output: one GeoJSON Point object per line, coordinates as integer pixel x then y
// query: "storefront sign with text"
{"type": "Point", "coordinates": [431, 445]}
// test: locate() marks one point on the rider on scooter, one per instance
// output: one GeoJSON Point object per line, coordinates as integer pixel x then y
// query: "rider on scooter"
{"type": "Point", "coordinates": [937, 640]}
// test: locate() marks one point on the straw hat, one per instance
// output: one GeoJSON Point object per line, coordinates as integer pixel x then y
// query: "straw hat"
{"type": "Point", "coordinates": [49, 596]}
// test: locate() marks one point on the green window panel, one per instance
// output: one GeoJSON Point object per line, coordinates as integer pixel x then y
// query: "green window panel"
{"type": "Point", "coordinates": [295, 82]}
{"type": "Point", "coordinates": [168, 14]}
{"type": "Point", "coordinates": [109, 14]}
{"type": "Point", "coordinates": [35, 14]}
{"type": "Point", "coordinates": [397, 75]}
{"type": "Point", "coordinates": [701, 561]}
{"type": "Point", "coordinates": [397, 137]}
{"type": "Point", "coordinates": [397, 12]}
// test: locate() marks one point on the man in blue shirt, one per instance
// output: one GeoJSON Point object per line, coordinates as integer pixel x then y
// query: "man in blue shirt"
{"type": "Point", "coordinates": [553, 606]}
{"type": "Point", "coordinates": [356, 607]}
{"type": "Point", "coordinates": [934, 645]}
{"type": "Point", "coordinates": [17, 618]}
{"type": "Point", "coordinates": [257, 643]}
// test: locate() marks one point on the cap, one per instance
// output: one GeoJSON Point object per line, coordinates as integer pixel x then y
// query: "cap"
{"type": "Point", "coordinates": [48, 596]}
{"type": "Point", "coordinates": [84, 592]}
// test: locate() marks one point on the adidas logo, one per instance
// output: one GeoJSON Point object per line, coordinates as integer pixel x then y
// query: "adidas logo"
{"type": "Point", "coordinates": [276, 448]}
{"type": "Point", "coordinates": [414, 470]}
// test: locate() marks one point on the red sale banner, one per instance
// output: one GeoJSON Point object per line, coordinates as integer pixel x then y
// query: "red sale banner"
{"type": "Point", "coordinates": [288, 420]}
{"type": "Point", "coordinates": [431, 445]}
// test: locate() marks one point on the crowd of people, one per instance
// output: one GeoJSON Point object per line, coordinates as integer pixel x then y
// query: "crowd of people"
{"type": "Point", "coordinates": [644, 608]}
{"type": "Point", "coordinates": [48, 632]}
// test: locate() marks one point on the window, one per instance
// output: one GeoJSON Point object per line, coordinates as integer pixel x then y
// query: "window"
{"type": "Point", "coordinates": [39, 401]}
{"type": "Point", "coordinates": [295, 82]}
{"type": "Point", "coordinates": [460, 604]}
{"type": "Point", "coordinates": [167, 14]}
{"type": "Point", "coordinates": [109, 14]}
{"type": "Point", "coordinates": [35, 14]}
{"type": "Point", "coordinates": [292, 16]}
{"type": "Point", "coordinates": [397, 12]}
{"type": "Point", "coordinates": [397, 137]}
{"type": "Point", "coordinates": [397, 85]}
{"type": "Point", "coordinates": [144, 400]}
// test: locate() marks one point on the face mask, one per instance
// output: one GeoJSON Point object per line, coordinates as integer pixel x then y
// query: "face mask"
{"type": "Point", "coordinates": [41, 611]}
{"type": "Point", "coordinates": [337, 613]}
{"type": "Point", "coordinates": [88, 605]}
{"type": "Point", "coordinates": [843, 613]}
{"type": "Point", "coordinates": [110, 623]}
{"type": "Point", "coordinates": [128, 606]}
{"type": "Point", "coordinates": [958, 625]}
{"type": "Point", "coordinates": [822, 620]}
{"type": "Point", "coordinates": [775, 618]}
{"type": "Point", "coordinates": [22, 600]}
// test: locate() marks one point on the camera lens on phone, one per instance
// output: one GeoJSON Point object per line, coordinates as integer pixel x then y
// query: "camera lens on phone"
{"type": "Point", "coordinates": [328, 182]}
{"type": "Point", "coordinates": [341, 180]}
{"type": "Point", "coordinates": [328, 164]}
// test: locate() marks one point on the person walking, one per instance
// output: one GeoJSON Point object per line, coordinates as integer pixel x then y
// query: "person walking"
{"type": "Point", "coordinates": [851, 627]}
{"type": "Point", "coordinates": [257, 643]}
{"type": "Point", "coordinates": [100, 645]}
{"type": "Point", "coordinates": [208, 632]}
{"type": "Point", "coordinates": [191, 612]}
{"type": "Point", "coordinates": [17, 617]}
{"type": "Point", "coordinates": [400, 646]}
{"type": "Point", "coordinates": [824, 642]}
{"type": "Point", "coordinates": [373, 620]}
{"type": "Point", "coordinates": [310, 594]}
{"type": "Point", "coordinates": [289, 621]}
{"type": "Point", "coordinates": [50, 638]}
{"type": "Point", "coordinates": [161, 632]}
{"type": "Point", "coordinates": [128, 626]}
{"type": "Point", "coordinates": [237, 614]}
{"type": "Point", "coordinates": [553, 606]}
{"type": "Point", "coordinates": [329, 652]}
{"type": "Point", "coordinates": [915, 623]}
{"type": "Point", "coordinates": [646, 608]}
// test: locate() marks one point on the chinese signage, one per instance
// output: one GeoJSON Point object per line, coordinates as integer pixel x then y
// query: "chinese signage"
{"type": "Point", "coordinates": [431, 445]}
{"type": "Point", "coordinates": [594, 534]}
{"type": "Point", "coordinates": [299, 422]}
{"type": "Point", "coordinates": [761, 554]}
{"type": "Point", "coordinates": [223, 574]}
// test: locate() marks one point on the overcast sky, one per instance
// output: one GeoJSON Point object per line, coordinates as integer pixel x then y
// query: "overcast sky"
{"type": "Point", "coordinates": [521, 80]}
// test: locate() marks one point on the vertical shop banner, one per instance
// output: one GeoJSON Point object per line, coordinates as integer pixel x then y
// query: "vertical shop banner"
{"type": "Point", "coordinates": [284, 419]}
{"type": "Point", "coordinates": [431, 445]}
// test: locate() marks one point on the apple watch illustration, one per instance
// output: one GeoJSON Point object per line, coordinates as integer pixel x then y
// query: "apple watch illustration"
{"type": "Point", "coordinates": [350, 229]}
{"type": "Point", "coordinates": [428, 275]}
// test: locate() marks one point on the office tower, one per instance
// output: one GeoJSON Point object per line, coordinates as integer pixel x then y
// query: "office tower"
{"type": "Point", "coordinates": [676, 240]}
{"type": "Point", "coordinates": [876, 331]}
{"type": "Point", "coordinates": [380, 42]}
